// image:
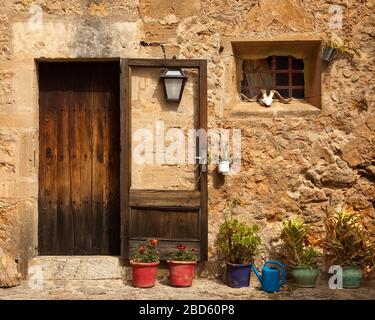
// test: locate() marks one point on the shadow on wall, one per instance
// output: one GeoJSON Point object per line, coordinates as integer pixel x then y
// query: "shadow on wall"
{"type": "Point", "coordinates": [218, 180]}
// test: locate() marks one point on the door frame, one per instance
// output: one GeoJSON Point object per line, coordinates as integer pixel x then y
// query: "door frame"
{"type": "Point", "coordinates": [127, 200]}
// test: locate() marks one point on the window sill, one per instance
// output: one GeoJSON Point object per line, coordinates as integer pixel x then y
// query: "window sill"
{"type": "Point", "coordinates": [296, 108]}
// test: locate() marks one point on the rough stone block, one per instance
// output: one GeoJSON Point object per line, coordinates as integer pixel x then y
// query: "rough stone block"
{"type": "Point", "coordinates": [5, 38]}
{"type": "Point", "coordinates": [27, 155]}
{"type": "Point", "coordinates": [8, 144]}
{"type": "Point", "coordinates": [160, 9]}
{"type": "Point", "coordinates": [17, 120]}
{"type": "Point", "coordinates": [6, 88]}
{"type": "Point", "coordinates": [9, 275]}
{"type": "Point", "coordinates": [280, 12]}
{"type": "Point", "coordinates": [78, 267]}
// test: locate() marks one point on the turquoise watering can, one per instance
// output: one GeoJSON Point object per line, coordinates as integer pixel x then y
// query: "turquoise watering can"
{"type": "Point", "coordinates": [271, 273]}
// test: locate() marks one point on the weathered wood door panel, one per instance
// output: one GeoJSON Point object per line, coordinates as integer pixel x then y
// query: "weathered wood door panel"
{"type": "Point", "coordinates": [79, 158]}
{"type": "Point", "coordinates": [171, 216]}
{"type": "Point", "coordinates": [165, 223]}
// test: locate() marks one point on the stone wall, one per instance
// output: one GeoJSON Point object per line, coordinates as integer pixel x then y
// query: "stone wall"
{"type": "Point", "coordinates": [290, 165]}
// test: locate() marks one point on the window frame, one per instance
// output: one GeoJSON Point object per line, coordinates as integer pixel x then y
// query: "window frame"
{"type": "Point", "coordinates": [301, 46]}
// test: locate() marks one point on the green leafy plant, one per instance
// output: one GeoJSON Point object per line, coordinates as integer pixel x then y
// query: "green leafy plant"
{"type": "Point", "coordinates": [237, 241]}
{"type": "Point", "coordinates": [309, 257]}
{"type": "Point", "coordinates": [183, 253]}
{"type": "Point", "coordinates": [295, 235]}
{"type": "Point", "coordinates": [147, 252]}
{"type": "Point", "coordinates": [348, 241]}
{"type": "Point", "coordinates": [342, 48]}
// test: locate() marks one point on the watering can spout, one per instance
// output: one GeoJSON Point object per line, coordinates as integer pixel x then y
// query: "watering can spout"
{"type": "Point", "coordinates": [257, 273]}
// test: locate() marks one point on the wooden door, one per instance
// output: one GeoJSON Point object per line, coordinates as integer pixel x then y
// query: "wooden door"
{"type": "Point", "coordinates": [171, 216]}
{"type": "Point", "coordinates": [79, 158]}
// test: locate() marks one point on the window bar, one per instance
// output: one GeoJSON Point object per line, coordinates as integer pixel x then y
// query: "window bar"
{"type": "Point", "coordinates": [274, 72]}
{"type": "Point", "coordinates": [290, 75]}
{"type": "Point", "coordinates": [244, 85]}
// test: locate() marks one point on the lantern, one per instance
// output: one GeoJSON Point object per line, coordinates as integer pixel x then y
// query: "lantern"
{"type": "Point", "coordinates": [174, 82]}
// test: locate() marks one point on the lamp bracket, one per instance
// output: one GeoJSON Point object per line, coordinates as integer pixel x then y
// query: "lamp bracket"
{"type": "Point", "coordinates": [153, 44]}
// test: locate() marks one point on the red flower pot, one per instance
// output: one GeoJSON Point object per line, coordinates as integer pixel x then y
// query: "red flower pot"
{"type": "Point", "coordinates": [181, 273]}
{"type": "Point", "coordinates": [144, 273]}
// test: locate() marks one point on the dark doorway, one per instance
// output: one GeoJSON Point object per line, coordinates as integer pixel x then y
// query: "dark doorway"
{"type": "Point", "coordinates": [79, 158]}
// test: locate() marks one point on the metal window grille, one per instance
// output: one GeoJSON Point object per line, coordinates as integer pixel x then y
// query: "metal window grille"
{"type": "Point", "coordinates": [282, 73]}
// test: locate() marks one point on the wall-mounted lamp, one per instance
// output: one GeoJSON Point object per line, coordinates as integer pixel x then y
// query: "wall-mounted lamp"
{"type": "Point", "coordinates": [173, 78]}
{"type": "Point", "coordinates": [174, 83]}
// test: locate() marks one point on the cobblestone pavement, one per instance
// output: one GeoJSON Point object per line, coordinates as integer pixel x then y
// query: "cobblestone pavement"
{"type": "Point", "coordinates": [201, 289]}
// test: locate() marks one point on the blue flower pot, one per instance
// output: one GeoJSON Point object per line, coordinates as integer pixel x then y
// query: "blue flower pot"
{"type": "Point", "coordinates": [238, 275]}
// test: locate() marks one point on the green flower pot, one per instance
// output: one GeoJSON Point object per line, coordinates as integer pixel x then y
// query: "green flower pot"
{"type": "Point", "coordinates": [352, 277]}
{"type": "Point", "coordinates": [305, 276]}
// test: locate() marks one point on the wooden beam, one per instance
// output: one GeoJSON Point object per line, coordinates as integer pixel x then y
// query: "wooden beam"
{"type": "Point", "coordinates": [161, 63]}
{"type": "Point", "coordinates": [164, 198]}
{"type": "Point", "coordinates": [125, 103]}
{"type": "Point", "coordinates": [203, 232]}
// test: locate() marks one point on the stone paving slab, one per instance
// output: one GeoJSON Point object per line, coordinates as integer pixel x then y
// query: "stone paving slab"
{"type": "Point", "coordinates": [77, 267]}
{"type": "Point", "coordinates": [201, 289]}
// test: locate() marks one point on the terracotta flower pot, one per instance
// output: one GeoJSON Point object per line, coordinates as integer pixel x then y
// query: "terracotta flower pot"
{"type": "Point", "coordinates": [144, 273]}
{"type": "Point", "coordinates": [181, 273]}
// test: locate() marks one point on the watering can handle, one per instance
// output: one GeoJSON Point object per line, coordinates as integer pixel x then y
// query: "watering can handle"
{"type": "Point", "coordinates": [282, 267]}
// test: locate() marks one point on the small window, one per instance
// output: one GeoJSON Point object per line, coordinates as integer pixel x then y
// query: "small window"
{"type": "Point", "coordinates": [282, 73]}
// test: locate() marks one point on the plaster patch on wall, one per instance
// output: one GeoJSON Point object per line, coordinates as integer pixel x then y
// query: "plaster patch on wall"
{"type": "Point", "coordinates": [91, 37]}
{"type": "Point", "coordinates": [51, 41]}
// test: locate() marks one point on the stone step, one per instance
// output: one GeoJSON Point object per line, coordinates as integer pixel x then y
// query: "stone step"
{"type": "Point", "coordinates": [77, 267]}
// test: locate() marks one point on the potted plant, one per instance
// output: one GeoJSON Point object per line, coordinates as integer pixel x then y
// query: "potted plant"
{"type": "Point", "coordinates": [301, 255]}
{"type": "Point", "coordinates": [331, 48]}
{"type": "Point", "coordinates": [239, 243]}
{"type": "Point", "coordinates": [349, 245]}
{"type": "Point", "coordinates": [329, 51]}
{"type": "Point", "coordinates": [144, 264]}
{"type": "Point", "coordinates": [182, 266]}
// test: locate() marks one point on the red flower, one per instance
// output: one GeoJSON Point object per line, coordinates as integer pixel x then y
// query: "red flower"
{"type": "Point", "coordinates": [141, 249]}
{"type": "Point", "coordinates": [181, 247]}
{"type": "Point", "coordinates": [154, 242]}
